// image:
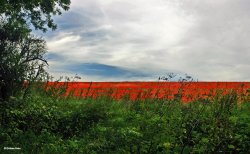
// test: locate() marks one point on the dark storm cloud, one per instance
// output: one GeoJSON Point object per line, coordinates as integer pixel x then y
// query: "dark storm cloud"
{"type": "Point", "coordinates": [103, 70]}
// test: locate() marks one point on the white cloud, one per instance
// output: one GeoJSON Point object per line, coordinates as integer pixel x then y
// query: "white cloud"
{"type": "Point", "coordinates": [208, 39]}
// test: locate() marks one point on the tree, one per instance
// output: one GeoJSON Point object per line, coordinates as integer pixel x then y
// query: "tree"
{"type": "Point", "coordinates": [21, 58]}
{"type": "Point", "coordinates": [36, 12]}
{"type": "Point", "coordinates": [21, 53]}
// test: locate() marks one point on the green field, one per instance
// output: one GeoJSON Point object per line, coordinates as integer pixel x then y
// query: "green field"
{"type": "Point", "coordinates": [42, 123]}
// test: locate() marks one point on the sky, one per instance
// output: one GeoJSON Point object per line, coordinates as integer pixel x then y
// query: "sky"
{"type": "Point", "coordinates": [140, 40]}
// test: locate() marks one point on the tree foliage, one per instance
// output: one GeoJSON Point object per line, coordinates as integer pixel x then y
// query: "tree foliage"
{"type": "Point", "coordinates": [21, 58]}
{"type": "Point", "coordinates": [21, 53]}
{"type": "Point", "coordinates": [36, 12]}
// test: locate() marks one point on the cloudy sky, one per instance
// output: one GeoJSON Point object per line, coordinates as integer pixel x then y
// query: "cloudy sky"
{"type": "Point", "coordinates": [124, 40]}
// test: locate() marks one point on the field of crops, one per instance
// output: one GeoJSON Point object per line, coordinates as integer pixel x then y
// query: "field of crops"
{"type": "Point", "coordinates": [70, 117]}
{"type": "Point", "coordinates": [187, 91]}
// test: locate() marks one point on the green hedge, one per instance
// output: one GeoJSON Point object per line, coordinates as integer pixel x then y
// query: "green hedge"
{"type": "Point", "coordinates": [42, 124]}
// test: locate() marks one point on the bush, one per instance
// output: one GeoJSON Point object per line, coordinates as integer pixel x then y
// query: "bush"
{"type": "Point", "coordinates": [47, 125]}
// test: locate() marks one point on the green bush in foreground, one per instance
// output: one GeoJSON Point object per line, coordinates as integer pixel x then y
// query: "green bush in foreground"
{"type": "Point", "coordinates": [43, 124]}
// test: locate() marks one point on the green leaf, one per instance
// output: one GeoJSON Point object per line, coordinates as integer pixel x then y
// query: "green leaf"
{"type": "Point", "coordinates": [205, 140]}
{"type": "Point", "coordinates": [231, 146]}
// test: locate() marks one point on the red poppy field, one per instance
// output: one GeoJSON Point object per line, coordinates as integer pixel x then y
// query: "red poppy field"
{"type": "Point", "coordinates": [187, 91]}
{"type": "Point", "coordinates": [143, 117]}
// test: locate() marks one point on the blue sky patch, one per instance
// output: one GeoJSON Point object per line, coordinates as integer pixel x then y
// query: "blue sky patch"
{"type": "Point", "coordinates": [103, 70]}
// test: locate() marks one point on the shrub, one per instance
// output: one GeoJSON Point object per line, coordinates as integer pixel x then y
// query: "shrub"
{"type": "Point", "coordinates": [103, 125]}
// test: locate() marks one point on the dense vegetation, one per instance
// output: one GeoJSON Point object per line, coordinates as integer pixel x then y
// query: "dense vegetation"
{"type": "Point", "coordinates": [45, 122]}
{"type": "Point", "coordinates": [22, 53]}
{"type": "Point", "coordinates": [39, 121]}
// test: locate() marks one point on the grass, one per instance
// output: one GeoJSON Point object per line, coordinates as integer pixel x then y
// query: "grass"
{"type": "Point", "coordinates": [47, 123]}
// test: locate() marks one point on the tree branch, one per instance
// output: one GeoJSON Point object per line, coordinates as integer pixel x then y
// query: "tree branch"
{"type": "Point", "coordinates": [35, 58]}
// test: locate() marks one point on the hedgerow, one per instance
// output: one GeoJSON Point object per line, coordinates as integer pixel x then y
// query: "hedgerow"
{"type": "Point", "coordinates": [42, 123]}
